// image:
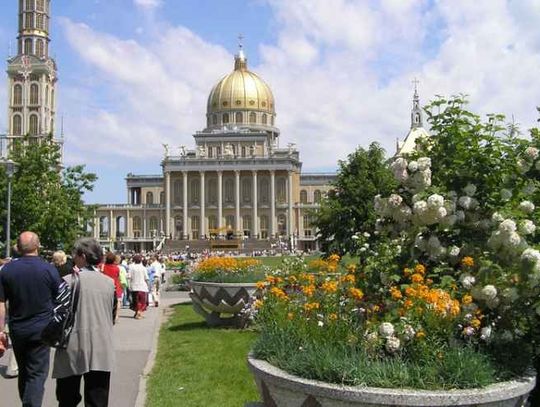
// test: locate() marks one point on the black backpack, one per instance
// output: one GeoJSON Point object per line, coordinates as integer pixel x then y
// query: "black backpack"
{"type": "Point", "coordinates": [56, 333]}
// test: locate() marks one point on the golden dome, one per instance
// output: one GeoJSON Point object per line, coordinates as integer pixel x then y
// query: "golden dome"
{"type": "Point", "coordinates": [241, 91]}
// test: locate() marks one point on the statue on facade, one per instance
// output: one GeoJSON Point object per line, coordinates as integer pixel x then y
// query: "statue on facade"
{"type": "Point", "coordinates": [291, 147]}
{"type": "Point", "coordinates": [228, 151]}
{"type": "Point", "coordinates": [252, 151]}
{"type": "Point", "coordinates": [202, 151]}
{"type": "Point", "coordinates": [182, 151]}
{"type": "Point", "coordinates": [166, 147]}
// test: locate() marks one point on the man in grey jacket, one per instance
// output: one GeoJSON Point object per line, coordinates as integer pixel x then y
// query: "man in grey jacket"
{"type": "Point", "coordinates": [90, 353]}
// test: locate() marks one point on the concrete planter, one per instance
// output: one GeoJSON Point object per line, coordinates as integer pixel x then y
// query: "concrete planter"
{"type": "Point", "coordinates": [220, 303]}
{"type": "Point", "coordinates": [280, 389]}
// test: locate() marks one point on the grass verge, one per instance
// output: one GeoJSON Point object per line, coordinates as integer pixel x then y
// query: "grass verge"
{"type": "Point", "coordinates": [200, 366]}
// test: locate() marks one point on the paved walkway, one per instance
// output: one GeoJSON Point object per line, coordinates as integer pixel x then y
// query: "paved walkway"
{"type": "Point", "coordinates": [133, 342]}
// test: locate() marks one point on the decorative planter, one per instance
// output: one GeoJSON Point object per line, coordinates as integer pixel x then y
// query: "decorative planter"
{"type": "Point", "coordinates": [220, 303]}
{"type": "Point", "coordinates": [280, 389]}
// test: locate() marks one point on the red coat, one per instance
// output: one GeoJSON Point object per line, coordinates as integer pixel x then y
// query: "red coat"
{"type": "Point", "coordinates": [113, 271]}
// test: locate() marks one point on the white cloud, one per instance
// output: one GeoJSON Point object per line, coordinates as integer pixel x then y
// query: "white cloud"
{"type": "Point", "coordinates": [341, 73]}
{"type": "Point", "coordinates": [148, 4]}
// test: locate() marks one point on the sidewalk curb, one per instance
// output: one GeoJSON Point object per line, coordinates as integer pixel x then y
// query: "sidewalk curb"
{"type": "Point", "coordinates": [162, 318]}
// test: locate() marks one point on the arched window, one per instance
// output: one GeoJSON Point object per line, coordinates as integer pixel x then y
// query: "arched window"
{"type": "Point", "coordinates": [212, 191]}
{"type": "Point", "coordinates": [52, 99]}
{"type": "Point", "coordinates": [29, 21]}
{"type": "Point", "coordinates": [195, 191]}
{"type": "Point", "coordinates": [229, 222]}
{"type": "Point", "coordinates": [137, 223]}
{"type": "Point", "coordinates": [33, 125]}
{"type": "Point", "coordinates": [239, 117]}
{"type": "Point", "coordinates": [177, 195]}
{"type": "Point", "coordinates": [214, 119]}
{"type": "Point", "coordinates": [264, 191]}
{"type": "Point", "coordinates": [212, 223]}
{"type": "Point", "coordinates": [243, 151]}
{"type": "Point", "coordinates": [264, 222]}
{"type": "Point", "coordinates": [246, 190]}
{"type": "Point", "coordinates": [229, 190]}
{"type": "Point", "coordinates": [303, 196]}
{"type": "Point", "coordinates": [153, 224]}
{"type": "Point", "coordinates": [272, 120]}
{"type": "Point", "coordinates": [210, 152]}
{"type": "Point", "coordinates": [34, 94]}
{"type": "Point", "coordinates": [149, 198]}
{"type": "Point", "coordinates": [252, 117]}
{"type": "Point", "coordinates": [28, 46]}
{"type": "Point", "coordinates": [29, 5]}
{"type": "Point", "coordinates": [282, 225]}
{"type": "Point", "coordinates": [52, 126]}
{"type": "Point", "coordinates": [40, 5]}
{"type": "Point", "coordinates": [307, 222]}
{"type": "Point", "coordinates": [264, 119]}
{"type": "Point", "coordinates": [246, 222]}
{"type": "Point", "coordinates": [233, 150]}
{"type": "Point", "coordinates": [225, 118]}
{"type": "Point", "coordinates": [195, 224]}
{"type": "Point", "coordinates": [17, 95]}
{"type": "Point", "coordinates": [162, 197]}
{"type": "Point", "coordinates": [178, 225]}
{"type": "Point", "coordinates": [40, 49]}
{"type": "Point", "coordinates": [17, 125]}
{"type": "Point", "coordinates": [281, 190]}
{"type": "Point", "coordinates": [317, 196]}
{"type": "Point", "coordinates": [417, 118]}
{"type": "Point", "coordinates": [40, 25]}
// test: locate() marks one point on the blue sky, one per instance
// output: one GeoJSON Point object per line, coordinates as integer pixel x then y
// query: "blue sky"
{"type": "Point", "coordinates": [136, 73]}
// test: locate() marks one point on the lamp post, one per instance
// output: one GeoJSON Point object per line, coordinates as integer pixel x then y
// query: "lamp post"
{"type": "Point", "coordinates": [11, 167]}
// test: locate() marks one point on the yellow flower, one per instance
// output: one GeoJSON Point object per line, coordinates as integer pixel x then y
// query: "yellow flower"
{"type": "Point", "coordinates": [376, 308]}
{"type": "Point", "coordinates": [290, 316]}
{"type": "Point", "coordinates": [467, 299]}
{"type": "Point", "coordinates": [420, 268]}
{"type": "Point", "coordinates": [475, 323]}
{"type": "Point", "coordinates": [334, 258]}
{"type": "Point", "coordinates": [407, 271]}
{"type": "Point", "coordinates": [310, 306]}
{"type": "Point", "coordinates": [420, 334]}
{"type": "Point", "coordinates": [396, 293]}
{"type": "Point", "coordinates": [257, 304]}
{"type": "Point", "coordinates": [332, 317]}
{"type": "Point", "coordinates": [261, 285]}
{"type": "Point", "coordinates": [308, 290]}
{"type": "Point", "coordinates": [348, 278]}
{"type": "Point", "coordinates": [278, 293]}
{"type": "Point", "coordinates": [329, 287]}
{"type": "Point", "coordinates": [356, 293]}
{"type": "Point", "coordinates": [467, 261]}
{"type": "Point", "coordinates": [292, 279]}
{"type": "Point", "coordinates": [351, 268]}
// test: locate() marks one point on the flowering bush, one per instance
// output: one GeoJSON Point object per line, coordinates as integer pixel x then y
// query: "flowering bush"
{"type": "Point", "coordinates": [450, 273]}
{"type": "Point", "coordinates": [228, 270]}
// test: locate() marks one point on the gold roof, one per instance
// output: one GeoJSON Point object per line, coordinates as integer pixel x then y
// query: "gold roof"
{"type": "Point", "coordinates": [241, 90]}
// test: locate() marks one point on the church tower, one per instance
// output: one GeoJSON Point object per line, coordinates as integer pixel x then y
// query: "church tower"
{"type": "Point", "coordinates": [416, 113]}
{"type": "Point", "coordinates": [417, 130]}
{"type": "Point", "coordinates": [32, 76]}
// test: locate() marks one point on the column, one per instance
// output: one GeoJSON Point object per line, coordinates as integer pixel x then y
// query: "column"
{"type": "Point", "coordinates": [96, 228]}
{"type": "Point", "coordinates": [185, 206]}
{"type": "Point", "coordinates": [237, 202]}
{"type": "Point", "coordinates": [129, 196]}
{"type": "Point", "coordinates": [273, 204]}
{"type": "Point", "coordinates": [255, 203]}
{"type": "Point", "coordinates": [145, 232]}
{"type": "Point", "coordinates": [202, 230]}
{"type": "Point", "coordinates": [112, 225]}
{"type": "Point", "coordinates": [290, 202]}
{"type": "Point", "coordinates": [220, 201]}
{"type": "Point", "coordinates": [167, 204]}
{"type": "Point", "coordinates": [129, 232]}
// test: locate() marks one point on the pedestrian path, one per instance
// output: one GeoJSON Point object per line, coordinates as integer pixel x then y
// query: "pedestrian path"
{"type": "Point", "coordinates": [133, 343]}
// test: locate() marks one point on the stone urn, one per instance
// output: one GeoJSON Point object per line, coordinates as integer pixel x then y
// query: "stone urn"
{"type": "Point", "coordinates": [221, 303]}
{"type": "Point", "coordinates": [280, 389]}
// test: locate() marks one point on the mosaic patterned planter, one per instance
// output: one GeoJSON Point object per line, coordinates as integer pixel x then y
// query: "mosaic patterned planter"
{"type": "Point", "coordinates": [280, 389]}
{"type": "Point", "coordinates": [220, 303]}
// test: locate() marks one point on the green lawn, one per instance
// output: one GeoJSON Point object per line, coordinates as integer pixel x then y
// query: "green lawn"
{"type": "Point", "coordinates": [198, 366]}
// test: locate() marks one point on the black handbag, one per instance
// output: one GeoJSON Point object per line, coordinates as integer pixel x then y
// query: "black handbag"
{"type": "Point", "coordinates": [56, 334]}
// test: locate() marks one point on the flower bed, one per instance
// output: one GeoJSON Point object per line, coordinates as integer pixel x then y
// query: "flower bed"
{"type": "Point", "coordinates": [446, 292]}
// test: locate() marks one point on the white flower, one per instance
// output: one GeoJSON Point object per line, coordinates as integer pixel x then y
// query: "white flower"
{"type": "Point", "coordinates": [441, 213]}
{"type": "Point", "coordinates": [532, 153]}
{"type": "Point", "coordinates": [392, 344]}
{"type": "Point", "coordinates": [386, 330]}
{"type": "Point", "coordinates": [399, 169]}
{"type": "Point", "coordinates": [493, 302]}
{"type": "Point", "coordinates": [413, 166]}
{"type": "Point", "coordinates": [523, 165]}
{"type": "Point", "coordinates": [469, 331]}
{"type": "Point", "coordinates": [529, 189]}
{"type": "Point", "coordinates": [408, 332]}
{"type": "Point", "coordinates": [513, 240]}
{"type": "Point", "coordinates": [320, 323]}
{"type": "Point", "coordinates": [465, 202]}
{"type": "Point", "coordinates": [460, 215]}
{"type": "Point", "coordinates": [467, 281]}
{"type": "Point", "coordinates": [485, 333]}
{"type": "Point", "coordinates": [424, 163]}
{"type": "Point", "coordinates": [506, 194]}
{"type": "Point", "coordinates": [453, 251]}
{"type": "Point", "coordinates": [507, 226]}
{"type": "Point", "coordinates": [527, 227]}
{"type": "Point", "coordinates": [420, 207]}
{"type": "Point", "coordinates": [531, 256]}
{"type": "Point", "coordinates": [395, 200]}
{"type": "Point", "coordinates": [489, 292]}
{"type": "Point", "coordinates": [470, 189]}
{"type": "Point", "coordinates": [366, 235]}
{"type": "Point", "coordinates": [435, 201]}
{"type": "Point", "coordinates": [526, 206]}
{"type": "Point", "coordinates": [497, 217]}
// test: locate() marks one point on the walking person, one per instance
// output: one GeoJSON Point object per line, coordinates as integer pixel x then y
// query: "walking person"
{"type": "Point", "coordinates": [89, 354]}
{"type": "Point", "coordinates": [30, 284]}
{"type": "Point", "coordinates": [111, 269]}
{"type": "Point", "coordinates": [138, 283]}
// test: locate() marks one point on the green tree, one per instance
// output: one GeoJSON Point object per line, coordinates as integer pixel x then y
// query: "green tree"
{"type": "Point", "coordinates": [47, 198]}
{"type": "Point", "coordinates": [348, 208]}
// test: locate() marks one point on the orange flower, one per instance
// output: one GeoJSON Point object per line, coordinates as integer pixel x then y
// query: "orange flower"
{"type": "Point", "coordinates": [417, 278]}
{"type": "Point", "coordinates": [332, 317]}
{"type": "Point", "coordinates": [292, 279]}
{"type": "Point", "coordinates": [278, 293]}
{"type": "Point", "coordinates": [329, 287]}
{"type": "Point", "coordinates": [310, 306]}
{"type": "Point", "coordinates": [257, 304]}
{"type": "Point", "coordinates": [356, 293]}
{"type": "Point", "coordinates": [467, 261]}
{"type": "Point", "coordinates": [351, 268]}
{"type": "Point", "coordinates": [396, 293]}
{"type": "Point", "coordinates": [348, 278]}
{"type": "Point", "coordinates": [475, 323]}
{"type": "Point", "coordinates": [261, 285]}
{"type": "Point", "coordinates": [407, 271]}
{"type": "Point", "coordinates": [467, 299]}
{"type": "Point", "coordinates": [308, 290]}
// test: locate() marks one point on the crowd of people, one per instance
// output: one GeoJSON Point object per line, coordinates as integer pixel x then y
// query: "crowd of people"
{"type": "Point", "coordinates": [30, 290]}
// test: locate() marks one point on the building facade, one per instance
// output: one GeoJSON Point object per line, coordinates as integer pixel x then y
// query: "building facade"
{"type": "Point", "coordinates": [236, 185]}
{"type": "Point", "coordinates": [32, 77]}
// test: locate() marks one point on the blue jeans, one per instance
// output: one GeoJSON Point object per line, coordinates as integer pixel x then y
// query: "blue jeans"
{"type": "Point", "coordinates": [33, 359]}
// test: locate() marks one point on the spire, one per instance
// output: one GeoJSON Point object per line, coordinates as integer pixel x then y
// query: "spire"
{"type": "Point", "coordinates": [416, 113]}
{"type": "Point", "coordinates": [240, 60]}
{"type": "Point", "coordinates": [33, 38]}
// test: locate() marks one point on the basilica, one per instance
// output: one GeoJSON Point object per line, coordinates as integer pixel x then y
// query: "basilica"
{"type": "Point", "coordinates": [237, 188]}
